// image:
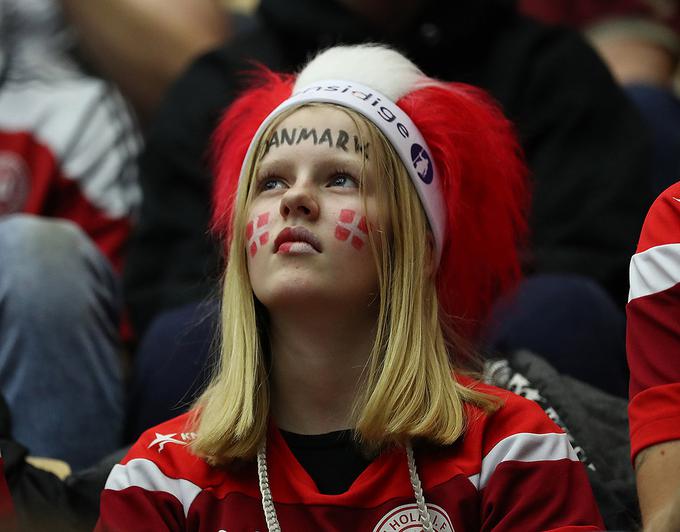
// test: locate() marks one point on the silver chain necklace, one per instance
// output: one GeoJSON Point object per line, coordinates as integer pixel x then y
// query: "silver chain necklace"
{"type": "Point", "coordinates": [268, 503]}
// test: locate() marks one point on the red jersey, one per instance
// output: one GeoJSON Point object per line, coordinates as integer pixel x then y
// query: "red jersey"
{"type": "Point", "coordinates": [68, 149]}
{"type": "Point", "coordinates": [653, 333]}
{"type": "Point", "coordinates": [513, 470]}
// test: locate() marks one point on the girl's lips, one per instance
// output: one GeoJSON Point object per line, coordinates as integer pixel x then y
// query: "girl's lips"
{"type": "Point", "coordinates": [296, 240]}
{"type": "Point", "coordinates": [296, 248]}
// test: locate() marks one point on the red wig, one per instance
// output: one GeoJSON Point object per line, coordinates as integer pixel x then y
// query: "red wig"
{"type": "Point", "coordinates": [484, 181]}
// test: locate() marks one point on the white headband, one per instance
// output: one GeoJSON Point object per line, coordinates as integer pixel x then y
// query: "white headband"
{"type": "Point", "coordinates": [395, 124]}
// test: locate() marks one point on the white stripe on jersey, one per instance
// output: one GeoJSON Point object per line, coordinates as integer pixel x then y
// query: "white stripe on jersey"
{"type": "Point", "coordinates": [524, 447]}
{"type": "Point", "coordinates": [143, 473]}
{"type": "Point", "coordinates": [654, 270]}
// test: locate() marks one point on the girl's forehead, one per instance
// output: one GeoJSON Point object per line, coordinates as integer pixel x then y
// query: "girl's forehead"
{"type": "Point", "coordinates": [320, 116]}
{"type": "Point", "coordinates": [310, 131]}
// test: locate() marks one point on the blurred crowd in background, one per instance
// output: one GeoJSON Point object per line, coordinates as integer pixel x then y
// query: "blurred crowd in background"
{"type": "Point", "coordinates": [109, 272]}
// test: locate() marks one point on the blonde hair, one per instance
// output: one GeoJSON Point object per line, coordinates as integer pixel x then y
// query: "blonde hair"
{"type": "Point", "coordinates": [408, 388]}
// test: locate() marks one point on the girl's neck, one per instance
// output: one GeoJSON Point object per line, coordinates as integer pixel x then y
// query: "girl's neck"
{"type": "Point", "coordinates": [317, 366]}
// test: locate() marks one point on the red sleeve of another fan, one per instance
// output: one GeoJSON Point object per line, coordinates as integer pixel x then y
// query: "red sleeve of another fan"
{"type": "Point", "coordinates": [653, 333]}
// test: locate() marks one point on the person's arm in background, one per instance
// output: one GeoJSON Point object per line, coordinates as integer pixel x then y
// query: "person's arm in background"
{"type": "Point", "coordinates": [653, 348]}
{"type": "Point", "coordinates": [658, 481]}
{"type": "Point", "coordinates": [143, 45]}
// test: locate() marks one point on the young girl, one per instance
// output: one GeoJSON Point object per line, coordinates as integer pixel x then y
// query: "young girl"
{"type": "Point", "coordinates": [365, 238]}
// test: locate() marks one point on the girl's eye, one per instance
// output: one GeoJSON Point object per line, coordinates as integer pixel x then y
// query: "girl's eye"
{"type": "Point", "coordinates": [271, 183]}
{"type": "Point", "coordinates": [342, 179]}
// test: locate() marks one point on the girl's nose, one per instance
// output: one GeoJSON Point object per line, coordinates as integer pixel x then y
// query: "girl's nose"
{"type": "Point", "coordinates": [299, 202]}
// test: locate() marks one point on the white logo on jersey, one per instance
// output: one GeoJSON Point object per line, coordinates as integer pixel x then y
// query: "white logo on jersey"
{"type": "Point", "coordinates": [162, 439]}
{"type": "Point", "coordinates": [406, 517]}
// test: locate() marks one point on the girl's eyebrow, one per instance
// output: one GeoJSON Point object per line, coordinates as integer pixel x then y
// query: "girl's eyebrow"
{"type": "Point", "coordinates": [284, 161]}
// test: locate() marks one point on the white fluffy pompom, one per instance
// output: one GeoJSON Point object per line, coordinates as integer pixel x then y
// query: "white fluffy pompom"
{"type": "Point", "coordinates": [373, 65]}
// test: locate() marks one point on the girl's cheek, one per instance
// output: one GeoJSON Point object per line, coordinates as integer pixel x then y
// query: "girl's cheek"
{"type": "Point", "coordinates": [257, 233]}
{"type": "Point", "coordinates": [351, 227]}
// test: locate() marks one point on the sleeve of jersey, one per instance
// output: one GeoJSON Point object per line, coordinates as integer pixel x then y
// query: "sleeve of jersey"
{"type": "Point", "coordinates": [145, 492]}
{"type": "Point", "coordinates": [653, 331]}
{"type": "Point", "coordinates": [531, 478]}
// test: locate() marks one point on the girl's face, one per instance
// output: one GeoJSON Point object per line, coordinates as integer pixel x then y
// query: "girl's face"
{"type": "Point", "coordinates": [307, 230]}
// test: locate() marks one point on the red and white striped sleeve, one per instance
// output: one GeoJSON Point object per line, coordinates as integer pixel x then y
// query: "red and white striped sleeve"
{"type": "Point", "coordinates": [155, 485]}
{"type": "Point", "coordinates": [530, 477]}
{"type": "Point", "coordinates": [653, 331]}
{"type": "Point", "coordinates": [140, 496]}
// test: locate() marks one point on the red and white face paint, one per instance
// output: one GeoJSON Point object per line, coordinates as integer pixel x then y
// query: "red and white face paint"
{"type": "Point", "coordinates": [257, 233]}
{"type": "Point", "coordinates": [352, 227]}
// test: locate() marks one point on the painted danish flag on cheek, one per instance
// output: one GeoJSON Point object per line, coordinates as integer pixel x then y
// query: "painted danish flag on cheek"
{"type": "Point", "coordinates": [257, 233]}
{"type": "Point", "coordinates": [352, 227]}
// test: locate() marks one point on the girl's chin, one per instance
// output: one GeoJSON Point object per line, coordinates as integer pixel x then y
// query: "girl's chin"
{"type": "Point", "coordinates": [311, 303]}
{"type": "Point", "coordinates": [296, 298]}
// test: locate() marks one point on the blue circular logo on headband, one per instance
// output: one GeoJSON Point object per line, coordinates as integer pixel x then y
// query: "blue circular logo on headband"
{"type": "Point", "coordinates": [422, 163]}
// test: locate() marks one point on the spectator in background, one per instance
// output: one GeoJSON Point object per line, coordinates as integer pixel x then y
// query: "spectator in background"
{"type": "Point", "coordinates": [584, 142]}
{"type": "Point", "coordinates": [174, 32]}
{"type": "Point", "coordinates": [640, 42]}
{"type": "Point", "coordinates": [68, 192]}
{"type": "Point", "coordinates": [653, 343]}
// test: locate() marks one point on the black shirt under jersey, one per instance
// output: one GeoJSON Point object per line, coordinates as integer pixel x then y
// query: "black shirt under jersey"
{"type": "Point", "coordinates": [333, 460]}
